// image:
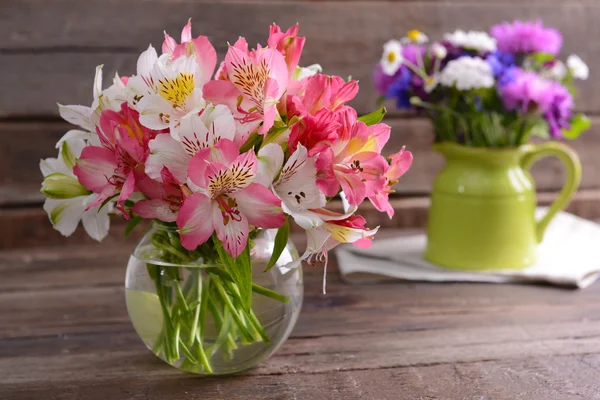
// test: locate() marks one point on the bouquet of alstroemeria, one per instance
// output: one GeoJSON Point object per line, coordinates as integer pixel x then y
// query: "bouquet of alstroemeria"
{"type": "Point", "coordinates": [486, 90]}
{"type": "Point", "coordinates": [218, 158]}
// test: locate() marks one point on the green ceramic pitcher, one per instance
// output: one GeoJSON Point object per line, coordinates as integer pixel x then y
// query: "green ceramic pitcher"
{"type": "Point", "coordinates": [483, 205]}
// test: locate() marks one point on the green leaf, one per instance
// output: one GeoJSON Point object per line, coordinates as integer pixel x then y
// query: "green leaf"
{"type": "Point", "coordinates": [240, 270]}
{"type": "Point", "coordinates": [373, 118]}
{"type": "Point", "coordinates": [281, 241]}
{"type": "Point", "coordinates": [579, 124]}
{"type": "Point", "coordinates": [540, 59]}
{"type": "Point", "coordinates": [106, 201]}
{"type": "Point", "coordinates": [133, 222]}
{"type": "Point", "coordinates": [254, 139]}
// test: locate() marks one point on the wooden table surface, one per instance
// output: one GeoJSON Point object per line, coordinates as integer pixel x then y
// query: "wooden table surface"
{"type": "Point", "coordinates": [65, 334]}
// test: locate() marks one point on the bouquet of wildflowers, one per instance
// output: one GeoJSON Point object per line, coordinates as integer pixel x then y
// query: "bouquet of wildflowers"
{"type": "Point", "coordinates": [489, 90]}
{"type": "Point", "coordinates": [220, 155]}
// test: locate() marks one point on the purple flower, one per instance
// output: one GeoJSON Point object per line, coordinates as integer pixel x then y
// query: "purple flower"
{"type": "Point", "coordinates": [528, 92]}
{"type": "Point", "coordinates": [382, 80]}
{"type": "Point", "coordinates": [413, 52]}
{"type": "Point", "coordinates": [527, 37]}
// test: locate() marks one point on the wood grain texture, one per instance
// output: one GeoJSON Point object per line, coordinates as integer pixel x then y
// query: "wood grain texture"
{"type": "Point", "coordinates": [64, 334]}
{"type": "Point", "coordinates": [29, 227]}
{"type": "Point", "coordinates": [52, 56]}
{"type": "Point", "coordinates": [23, 144]}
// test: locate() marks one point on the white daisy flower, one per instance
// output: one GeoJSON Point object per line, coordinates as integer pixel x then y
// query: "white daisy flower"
{"type": "Point", "coordinates": [439, 51]}
{"type": "Point", "coordinates": [578, 67]}
{"type": "Point", "coordinates": [392, 59]}
{"type": "Point", "coordinates": [467, 73]}
{"type": "Point", "coordinates": [557, 72]}
{"type": "Point", "coordinates": [472, 40]}
{"type": "Point", "coordinates": [415, 36]}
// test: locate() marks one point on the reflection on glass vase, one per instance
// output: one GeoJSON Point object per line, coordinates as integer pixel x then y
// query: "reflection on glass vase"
{"type": "Point", "coordinates": [186, 308]}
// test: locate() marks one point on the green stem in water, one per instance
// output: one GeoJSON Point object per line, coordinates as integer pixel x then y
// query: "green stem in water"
{"type": "Point", "coordinates": [232, 309]}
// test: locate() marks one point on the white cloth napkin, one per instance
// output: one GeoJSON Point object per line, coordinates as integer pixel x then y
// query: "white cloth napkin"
{"type": "Point", "coordinates": [568, 256]}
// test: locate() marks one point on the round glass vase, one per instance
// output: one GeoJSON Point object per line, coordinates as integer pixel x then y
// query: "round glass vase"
{"type": "Point", "coordinates": [188, 311]}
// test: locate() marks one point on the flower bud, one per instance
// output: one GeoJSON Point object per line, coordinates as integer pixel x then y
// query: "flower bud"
{"type": "Point", "coordinates": [61, 186]}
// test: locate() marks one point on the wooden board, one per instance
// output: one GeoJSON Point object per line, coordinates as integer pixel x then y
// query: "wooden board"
{"type": "Point", "coordinates": [49, 52]}
{"type": "Point", "coordinates": [65, 334]}
{"type": "Point", "coordinates": [23, 144]}
{"type": "Point", "coordinates": [29, 227]}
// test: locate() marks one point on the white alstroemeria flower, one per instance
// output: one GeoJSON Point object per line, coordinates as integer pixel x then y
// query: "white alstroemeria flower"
{"type": "Point", "coordinates": [305, 72]}
{"type": "Point", "coordinates": [415, 36]}
{"type": "Point", "coordinates": [85, 117]}
{"type": "Point", "coordinates": [67, 199]}
{"type": "Point", "coordinates": [472, 40]}
{"type": "Point", "coordinates": [467, 73]}
{"type": "Point", "coordinates": [439, 51]}
{"type": "Point", "coordinates": [142, 83]}
{"type": "Point", "coordinates": [392, 58]}
{"type": "Point", "coordinates": [109, 98]}
{"type": "Point", "coordinates": [176, 93]}
{"type": "Point", "coordinates": [196, 131]}
{"type": "Point", "coordinates": [578, 67]}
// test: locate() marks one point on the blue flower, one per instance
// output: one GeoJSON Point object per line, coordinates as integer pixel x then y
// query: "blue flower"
{"type": "Point", "coordinates": [400, 89]}
{"type": "Point", "coordinates": [500, 62]}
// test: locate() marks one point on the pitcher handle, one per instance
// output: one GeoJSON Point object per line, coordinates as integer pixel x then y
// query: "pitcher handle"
{"type": "Point", "coordinates": [573, 168]}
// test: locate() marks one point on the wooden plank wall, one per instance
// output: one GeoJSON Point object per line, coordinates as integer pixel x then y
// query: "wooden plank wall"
{"type": "Point", "coordinates": [49, 50]}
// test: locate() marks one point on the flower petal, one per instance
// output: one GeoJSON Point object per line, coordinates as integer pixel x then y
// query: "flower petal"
{"type": "Point", "coordinates": [297, 185]}
{"type": "Point", "coordinates": [146, 61]}
{"type": "Point", "coordinates": [195, 220]}
{"type": "Point", "coordinates": [233, 233]}
{"type": "Point", "coordinates": [94, 168]}
{"type": "Point", "coordinates": [77, 115]}
{"type": "Point", "coordinates": [260, 206]}
{"type": "Point", "coordinates": [167, 152]}
{"type": "Point", "coordinates": [65, 214]}
{"type": "Point", "coordinates": [155, 112]}
{"type": "Point", "coordinates": [96, 222]}
{"type": "Point", "coordinates": [155, 208]}
{"type": "Point", "coordinates": [270, 161]}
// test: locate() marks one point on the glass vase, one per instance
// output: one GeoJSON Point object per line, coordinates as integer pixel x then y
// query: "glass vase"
{"type": "Point", "coordinates": [188, 311]}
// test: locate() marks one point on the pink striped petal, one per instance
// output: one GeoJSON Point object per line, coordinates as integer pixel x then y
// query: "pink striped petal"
{"type": "Point", "coordinates": [260, 206]}
{"type": "Point", "coordinates": [155, 209]}
{"type": "Point", "coordinates": [126, 191]}
{"type": "Point", "coordinates": [169, 44]}
{"type": "Point", "coordinates": [194, 220]}
{"type": "Point", "coordinates": [95, 167]}
{"type": "Point", "coordinates": [233, 233]}
{"type": "Point", "coordinates": [186, 32]}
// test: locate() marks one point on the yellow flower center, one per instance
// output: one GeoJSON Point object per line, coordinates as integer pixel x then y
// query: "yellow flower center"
{"type": "Point", "coordinates": [176, 91]}
{"type": "Point", "coordinates": [413, 35]}
{"type": "Point", "coordinates": [391, 57]}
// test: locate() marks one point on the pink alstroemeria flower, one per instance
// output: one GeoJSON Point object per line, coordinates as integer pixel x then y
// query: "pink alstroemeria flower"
{"type": "Point", "coordinates": [323, 91]}
{"type": "Point", "coordinates": [353, 161]}
{"type": "Point", "coordinates": [165, 198]}
{"type": "Point", "coordinates": [289, 44]}
{"type": "Point", "coordinates": [400, 163]}
{"type": "Point", "coordinates": [200, 48]}
{"type": "Point", "coordinates": [227, 201]}
{"type": "Point", "coordinates": [314, 130]}
{"type": "Point", "coordinates": [256, 81]}
{"type": "Point", "coordinates": [113, 169]}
